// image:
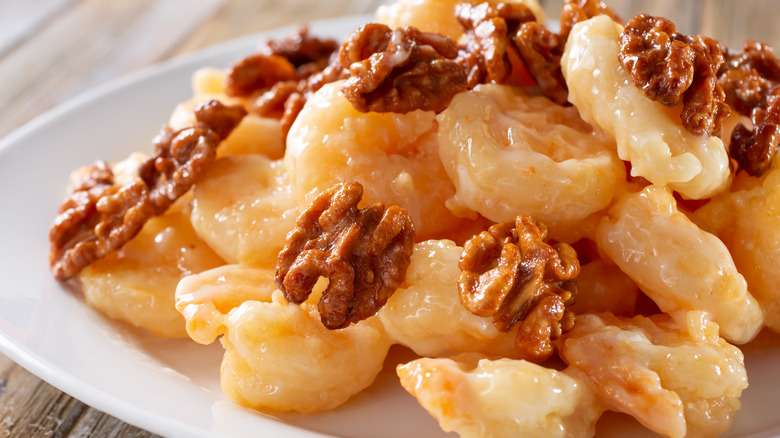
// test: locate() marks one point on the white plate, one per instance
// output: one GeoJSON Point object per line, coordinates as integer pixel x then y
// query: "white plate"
{"type": "Point", "coordinates": [171, 387]}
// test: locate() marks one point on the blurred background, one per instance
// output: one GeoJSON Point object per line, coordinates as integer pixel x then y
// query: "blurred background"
{"type": "Point", "coordinates": [53, 50]}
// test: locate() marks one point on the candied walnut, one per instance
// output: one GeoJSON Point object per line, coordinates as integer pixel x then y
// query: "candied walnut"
{"type": "Point", "coordinates": [364, 253]}
{"type": "Point", "coordinates": [671, 67]}
{"type": "Point", "coordinates": [96, 219]}
{"type": "Point", "coordinates": [754, 150]}
{"type": "Point", "coordinates": [308, 54]}
{"type": "Point", "coordinates": [541, 51]}
{"type": "Point", "coordinates": [270, 103]}
{"type": "Point", "coordinates": [400, 70]}
{"type": "Point", "coordinates": [100, 216]}
{"type": "Point", "coordinates": [511, 273]}
{"type": "Point", "coordinates": [574, 11]}
{"type": "Point", "coordinates": [488, 29]}
{"type": "Point", "coordinates": [182, 156]}
{"type": "Point", "coordinates": [309, 64]}
{"type": "Point", "coordinates": [750, 81]}
{"type": "Point", "coordinates": [258, 72]}
{"type": "Point", "coordinates": [504, 39]}
{"type": "Point", "coordinates": [756, 56]}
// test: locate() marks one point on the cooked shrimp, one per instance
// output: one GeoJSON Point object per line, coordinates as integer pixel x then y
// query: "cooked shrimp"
{"type": "Point", "coordinates": [426, 315]}
{"type": "Point", "coordinates": [278, 355]}
{"type": "Point", "coordinates": [394, 157]}
{"type": "Point", "coordinates": [437, 15]}
{"type": "Point", "coordinates": [648, 134]}
{"type": "Point", "coordinates": [603, 287]}
{"type": "Point", "coordinates": [509, 153]}
{"type": "Point", "coordinates": [243, 208]}
{"type": "Point", "coordinates": [677, 381]}
{"type": "Point", "coordinates": [680, 266]}
{"type": "Point", "coordinates": [748, 220]}
{"type": "Point", "coordinates": [137, 283]}
{"type": "Point", "coordinates": [478, 397]}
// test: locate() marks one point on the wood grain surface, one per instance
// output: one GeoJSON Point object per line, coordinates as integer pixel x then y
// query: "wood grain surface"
{"type": "Point", "coordinates": [53, 50]}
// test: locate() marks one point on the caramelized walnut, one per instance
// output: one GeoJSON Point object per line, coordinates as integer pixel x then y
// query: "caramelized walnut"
{"type": "Point", "coordinates": [182, 156]}
{"type": "Point", "coordinates": [750, 81]}
{"type": "Point", "coordinates": [511, 273]}
{"type": "Point", "coordinates": [100, 216]}
{"type": "Point", "coordinates": [756, 56]}
{"type": "Point", "coordinates": [488, 29]}
{"type": "Point", "coordinates": [258, 72]}
{"type": "Point", "coordinates": [754, 150]}
{"type": "Point", "coordinates": [308, 54]}
{"type": "Point", "coordinates": [280, 77]}
{"type": "Point", "coordinates": [670, 67]}
{"type": "Point", "coordinates": [96, 219]}
{"type": "Point", "coordinates": [541, 50]}
{"type": "Point", "coordinates": [574, 11]}
{"type": "Point", "coordinates": [400, 70]}
{"type": "Point", "coordinates": [500, 36]}
{"type": "Point", "coordinates": [364, 254]}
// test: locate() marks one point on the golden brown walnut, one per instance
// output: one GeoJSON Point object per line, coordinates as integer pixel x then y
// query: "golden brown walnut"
{"type": "Point", "coordinates": [279, 78]}
{"type": "Point", "coordinates": [96, 219]}
{"type": "Point", "coordinates": [574, 11]}
{"type": "Point", "coordinates": [541, 50]}
{"type": "Point", "coordinates": [751, 83]}
{"type": "Point", "coordinates": [258, 72]}
{"type": "Point", "coordinates": [500, 36]}
{"type": "Point", "coordinates": [511, 273]}
{"type": "Point", "coordinates": [400, 70]}
{"type": "Point", "coordinates": [183, 156]}
{"type": "Point", "coordinates": [488, 39]}
{"type": "Point", "coordinates": [364, 254]}
{"type": "Point", "coordinates": [671, 67]}
{"type": "Point", "coordinates": [307, 53]}
{"type": "Point", "coordinates": [100, 216]}
{"type": "Point", "coordinates": [754, 150]}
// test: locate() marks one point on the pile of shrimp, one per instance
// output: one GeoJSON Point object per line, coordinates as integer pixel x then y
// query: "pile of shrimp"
{"type": "Point", "coordinates": [665, 295]}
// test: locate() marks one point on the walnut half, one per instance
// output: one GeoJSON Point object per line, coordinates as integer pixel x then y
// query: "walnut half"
{"type": "Point", "coordinates": [364, 253]}
{"type": "Point", "coordinates": [511, 273]}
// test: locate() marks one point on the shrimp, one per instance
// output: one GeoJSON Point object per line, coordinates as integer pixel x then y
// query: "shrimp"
{"type": "Point", "coordinates": [748, 220]}
{"type": "Point", "coordinates": [137, 283]}
{"type": "Point", "coordinates": [508, 153]}
{"type": "Point", "coordinates": [648, 134]}
{"type": "Point", "coordinates": [426, 315]}
{"type": "Point", "coordinates": [243, 208]}
{"type": "Point", "coordinates": [478, 397]}
{"type": "Point", "coordinates": [603, 287]}
{"type": "Point", "coordinates": [677, 381]}
{"type": "Point", "coordinates": [394, 157]}
{"type": "Point", "coordinates": [678, 265]}
{"type": "Point", "coordinates": [278, 356]}
{"type": "Point", "coordinates": [437, 16]}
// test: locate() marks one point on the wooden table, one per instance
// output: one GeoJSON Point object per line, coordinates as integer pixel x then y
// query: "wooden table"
{"type": "Point", "coordinates": [52, 50]}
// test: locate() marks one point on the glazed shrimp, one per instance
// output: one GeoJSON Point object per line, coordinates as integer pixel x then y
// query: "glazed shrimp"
{"type": "Point", "coordinates": [648, 134]}
{"type": "Point", "coordinates": [677, 381]}
{"type": "Point", "coordinates": [394, 157]}
{"type": "Point", "coordinates": [278, 355]}
{"type": "Point", "coordinates": [243, 209]}
{"type": "Point", "coordinates": [136, 284]}
{"type": "Point", "coordinates": [426, 315]}
{"type": "Point", "coordinates": [677, 264]}
{"type": "Point", "coordinates": [437, 15]}
{"type": "Point", "coordinates": [508, 153]}
{"type": "Point", "coordinates": [747, 219]}
{"type": "Point", "coordinates": [478, 397]}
